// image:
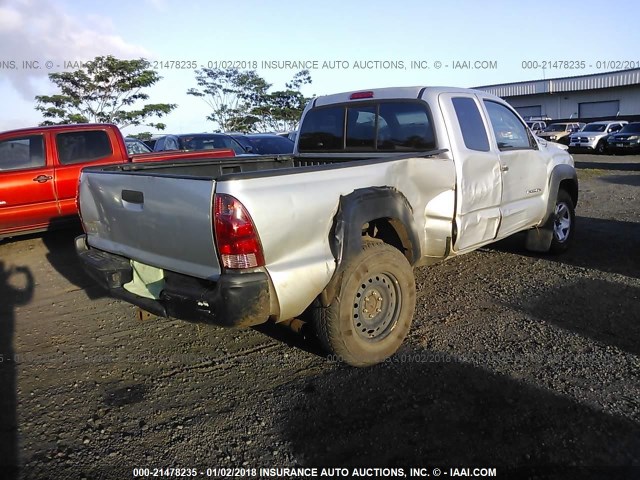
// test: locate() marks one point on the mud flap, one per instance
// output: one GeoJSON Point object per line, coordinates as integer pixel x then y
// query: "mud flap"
{"type": "Point", "coordinates": [539, 239]}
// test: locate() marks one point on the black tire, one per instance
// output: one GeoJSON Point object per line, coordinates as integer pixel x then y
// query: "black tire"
{"type": "Point", "coordinates": [373, 309]}
{"type": "Point", "coordinates": [563, 223]}
{"type": "Point", "coordinates": [601, 147]}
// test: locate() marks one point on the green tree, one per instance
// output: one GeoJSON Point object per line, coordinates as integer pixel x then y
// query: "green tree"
{"type": "Point", "coordinates": [240, 100]}
{"type": "Point", "coordinates": [281, 110]}
{"type": "Point", "coordinates": [141, 136]}
{"type": "Point", "coordinates": [105, 90]}
{"type": "Point", "coordinates": [231, 94]}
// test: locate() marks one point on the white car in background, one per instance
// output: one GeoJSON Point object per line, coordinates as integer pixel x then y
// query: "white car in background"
{"type": "Point", "coordinates": [135, 146]}
{"type": "Point", "coordinates": [593, 137]}
{"type": "Point", "coordinates": [536, 126]}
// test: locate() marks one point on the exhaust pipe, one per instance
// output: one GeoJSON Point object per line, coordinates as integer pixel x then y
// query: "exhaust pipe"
{"type": "Point", "coordinates": [293, 324]}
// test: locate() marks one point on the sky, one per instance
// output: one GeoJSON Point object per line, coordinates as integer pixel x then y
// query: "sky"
{"type": "Point", "coordinates": [349, 45]}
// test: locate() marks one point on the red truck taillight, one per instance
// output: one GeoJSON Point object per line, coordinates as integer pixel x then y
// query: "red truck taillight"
{"type": "Point", "coordinates": [236, 236]}
{"type": "Point", "coordinates": [360, 95]}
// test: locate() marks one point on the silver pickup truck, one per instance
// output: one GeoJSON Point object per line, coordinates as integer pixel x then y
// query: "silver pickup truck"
{"type": "Point", "coordinates": [380, 181]}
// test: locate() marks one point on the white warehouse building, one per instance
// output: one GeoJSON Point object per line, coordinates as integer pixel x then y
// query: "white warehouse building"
{"type": "Point", "coordinates": [586, 97]}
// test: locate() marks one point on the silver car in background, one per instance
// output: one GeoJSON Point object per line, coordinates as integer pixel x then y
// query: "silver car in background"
{"type": "Point", "coordinates": [593, 137]}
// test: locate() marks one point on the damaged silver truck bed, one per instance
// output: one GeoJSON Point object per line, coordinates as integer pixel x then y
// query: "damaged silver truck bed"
{"type": "Point", "coordinates": [380, 181]}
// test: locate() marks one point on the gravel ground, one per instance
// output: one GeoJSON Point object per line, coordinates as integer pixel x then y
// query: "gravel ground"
{"type": "Point", "coordinates": [514, 360]}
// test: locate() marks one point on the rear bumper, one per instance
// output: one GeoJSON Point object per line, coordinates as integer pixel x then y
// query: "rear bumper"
{"type": "Point", "coordinates": [234, 300]}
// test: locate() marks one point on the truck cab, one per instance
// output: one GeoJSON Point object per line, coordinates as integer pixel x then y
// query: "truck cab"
{"type": "Point", "coordinates": [501, 169]}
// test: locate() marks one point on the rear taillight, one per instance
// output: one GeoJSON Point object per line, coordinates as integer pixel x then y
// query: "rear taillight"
{"type": "Point", "coordinates": [236, 236]}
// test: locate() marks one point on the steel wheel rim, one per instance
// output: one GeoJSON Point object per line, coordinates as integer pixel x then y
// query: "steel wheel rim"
{"type": "Point", "coordinates": [376, 307]}
{"type": "Point", "coordinates": [562, 222]}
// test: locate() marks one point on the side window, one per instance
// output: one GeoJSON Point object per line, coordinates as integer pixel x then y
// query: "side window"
{"type": "Point", "coordinates": [22, 153]}
{"type": "Point", "coordinates": [471, 125]}
{"type": "Point", "coordinates": [509, 132]}
{"type": "Point", "coordinates": [84, 146]}
{"type": "Point", "coordinates": [409, 127]}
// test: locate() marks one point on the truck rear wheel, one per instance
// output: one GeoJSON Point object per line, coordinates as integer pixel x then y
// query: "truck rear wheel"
{"type": "Point", "coordinates": [373, 309]}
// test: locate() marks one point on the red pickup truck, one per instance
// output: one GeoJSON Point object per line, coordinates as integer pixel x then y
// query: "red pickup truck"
{"type": "Point", "coordinates": [40, 167]}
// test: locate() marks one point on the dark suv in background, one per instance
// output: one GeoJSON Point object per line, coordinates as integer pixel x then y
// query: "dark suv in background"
{"type": "Point", "coordinates": [626, 140]}
{"type": "Point", "coordinates": [198, 141]}
{"type": "Point", "coordinates": [264, 143]}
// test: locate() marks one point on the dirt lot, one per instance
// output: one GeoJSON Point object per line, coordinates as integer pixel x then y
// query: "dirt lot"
{"type": "Point", "coordinates": [514, 360]}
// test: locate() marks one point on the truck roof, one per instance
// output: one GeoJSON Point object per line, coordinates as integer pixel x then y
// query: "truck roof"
{"type": "Point", "coordinates": [393, 93]}
{"type": "Point", "coordinates": [68, 126]}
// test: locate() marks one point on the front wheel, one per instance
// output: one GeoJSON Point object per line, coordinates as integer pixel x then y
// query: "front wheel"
{"type": "Point", "coordinates": [564, 218]}
{"type": "Point", "coordinates": [601, 148]}
{"type": "Point", "coordinates": [373, 309]}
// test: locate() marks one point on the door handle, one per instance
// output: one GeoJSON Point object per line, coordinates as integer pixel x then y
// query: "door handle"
{"type": "Point", "coordinates": [42, 178]}
{"type": "Point", "coordinates": [504, 168]}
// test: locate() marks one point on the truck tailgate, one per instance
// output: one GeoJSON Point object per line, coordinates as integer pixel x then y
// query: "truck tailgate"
{"type": "Point", "coordinates": [156, 220]}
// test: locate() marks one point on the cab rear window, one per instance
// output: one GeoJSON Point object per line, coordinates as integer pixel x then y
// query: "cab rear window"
{"type": "Point", "coordinates": [368, 127]}
{"type": "Point", "coordinates": [83, 146]}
